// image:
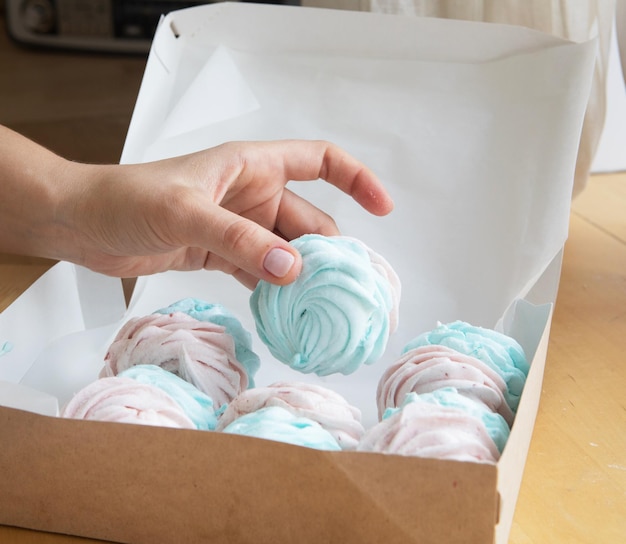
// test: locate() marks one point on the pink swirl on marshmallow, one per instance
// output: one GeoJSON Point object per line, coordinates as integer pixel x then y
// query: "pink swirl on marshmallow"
{"type": "Point", "coordinates": [423, 429]}
{"type": "Point", "coordinates": [200, 352]}
{"type": "Point", "coordinates": [124, 400]}
{"type": "Point", "coordinates": [428, 368]}
{"type": "Point", "coordinates": [322, 405]}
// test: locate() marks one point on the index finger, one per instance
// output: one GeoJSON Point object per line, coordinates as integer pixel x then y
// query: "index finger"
{"type": "Point", "coordinates": [304, 160]}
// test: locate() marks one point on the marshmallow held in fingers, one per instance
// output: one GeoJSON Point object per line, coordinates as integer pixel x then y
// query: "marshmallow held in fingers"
{"type": "Point", "coordinates": [337, 315]}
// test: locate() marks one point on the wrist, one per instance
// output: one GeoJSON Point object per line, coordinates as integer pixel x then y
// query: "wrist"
{"type": "Point", "coordinates": [35, 187]}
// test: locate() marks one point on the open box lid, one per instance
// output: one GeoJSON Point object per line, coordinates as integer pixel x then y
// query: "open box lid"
{"type": "Point", "coordinates": [473, 127]}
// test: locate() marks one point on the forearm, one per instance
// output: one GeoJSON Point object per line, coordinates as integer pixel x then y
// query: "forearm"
{"type": "Point", "coordinates": [223, 208]}
{"type": "Point", "coordinates": [33, 182]}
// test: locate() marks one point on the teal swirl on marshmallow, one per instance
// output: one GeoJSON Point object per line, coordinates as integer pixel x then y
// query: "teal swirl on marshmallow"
{"type": "Point", "coordinates": [501, 352]}
{"type": "Point", "coordinates": [495, 425]}
{"type": "Point", "coordinates": [197, 405]}
{"type": "Point", "coordinates": [279, 424]}
{"type": "Point", "coordinates": [339, 312]}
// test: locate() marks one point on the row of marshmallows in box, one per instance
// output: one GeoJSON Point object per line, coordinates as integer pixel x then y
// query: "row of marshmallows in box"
{"type": "Point", "coordinates": [452, 394]}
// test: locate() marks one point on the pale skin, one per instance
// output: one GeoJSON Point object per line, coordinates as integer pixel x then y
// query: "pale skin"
{"type": "Point", "coordinates": [226, 208]}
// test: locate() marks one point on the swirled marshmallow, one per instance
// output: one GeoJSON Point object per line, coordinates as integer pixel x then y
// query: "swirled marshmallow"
{"type": "Point", "coordinates": [499, 351]}
{"type": "Point", "coordinates": [320, 404]}
{"type": "Point", "coordinates": [428, 429]}
{"type": "Point", "coordinates": [125, 400]}
{"type": "Point", "coordinates": [427, 368]}
{"type": "Point", "coordinates": [337, 315]}
{"type": "Point", "coordinates": [279, 424]}
{"type": "Point", "coordinates": [220, 315]}
{"type": "Point", "coordinates": [197, 351]}
{"type": "Point", "coordinates": [197, 405]}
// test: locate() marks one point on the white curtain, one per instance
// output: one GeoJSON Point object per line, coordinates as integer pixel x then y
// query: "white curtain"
{"type": "Point", "coordinates": [620, 23]}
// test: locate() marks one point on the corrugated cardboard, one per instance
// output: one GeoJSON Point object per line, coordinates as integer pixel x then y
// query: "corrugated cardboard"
{"type": "Point", "coordinates": [425, 103]}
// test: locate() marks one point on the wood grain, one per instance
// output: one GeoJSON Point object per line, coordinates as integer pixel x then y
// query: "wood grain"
{"type": "Point", "coordinates": [574, 488]}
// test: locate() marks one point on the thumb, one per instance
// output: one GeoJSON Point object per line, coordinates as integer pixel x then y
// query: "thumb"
{"type": "Point", "coordinates": [247, 246]}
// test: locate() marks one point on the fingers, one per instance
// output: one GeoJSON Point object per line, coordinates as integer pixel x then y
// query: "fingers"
{"type": "Point", "coordinates": [246, 279]}
{"type": "Point", "coordinates": [308, 160]}
{"type": "Point", "coordinates": [255, 251]}
{"type": "Point", "coordinates": [297, 216]}
{"type": "Point", "coordinates": [212, 261]}
{"type": "Point", "coordinates": [245, 245]}
{"type": "Point", "coordinates": [239, 197]}
{"type": "Point", "coordinates": [354, 178]}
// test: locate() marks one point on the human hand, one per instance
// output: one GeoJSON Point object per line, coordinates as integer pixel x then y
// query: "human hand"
{"type": "Point", "coordinates": [225, 208]}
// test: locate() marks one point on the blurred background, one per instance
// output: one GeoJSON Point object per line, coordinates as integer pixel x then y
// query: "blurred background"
{"type": "Point", "coordinates": [70, 70]}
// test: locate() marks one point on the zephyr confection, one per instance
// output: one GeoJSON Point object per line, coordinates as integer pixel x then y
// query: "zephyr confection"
{"type": "Point", "coordinates": [220, 315]}
{"type": "Point", "coordinates": [197, 405]}
{"type": "Point", "coordinates": [431, 426]}
{"type": "Point", "coordinates": [499, 351]}
{"type": "Point", "coordinates": [200, 352]}
{"type": "Point", "coordinates": [125, 400]}
{"type": "Point", "coordinates": [431, 367]}
{"type": "Point", "coordinates": [279, 424]}
{"type": "Point", "coordinates": [320, 404]}
{"type": "Point", "coordinates": [337, 315]}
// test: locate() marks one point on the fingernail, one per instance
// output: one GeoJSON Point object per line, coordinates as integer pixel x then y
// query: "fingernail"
{"type": "Point", "coordinates": [278, 262]}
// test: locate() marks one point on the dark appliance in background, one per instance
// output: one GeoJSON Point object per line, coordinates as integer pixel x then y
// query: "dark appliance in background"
{"type": "Point", "coordinates": [124, 26]}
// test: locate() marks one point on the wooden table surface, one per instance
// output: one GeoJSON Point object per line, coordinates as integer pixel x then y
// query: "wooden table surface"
{"type": "Point", "coordinates": [574, 487]}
